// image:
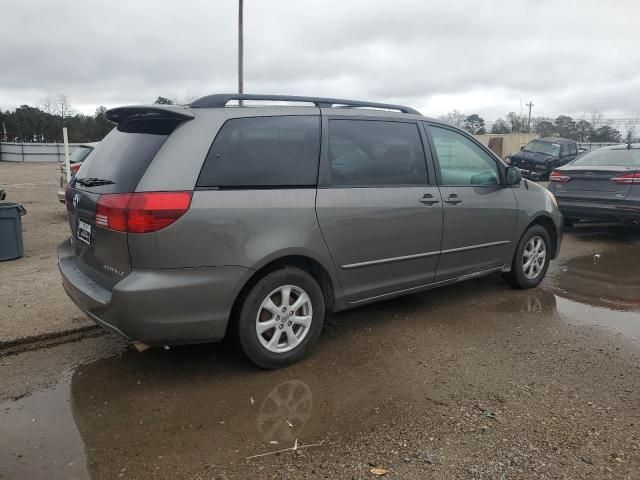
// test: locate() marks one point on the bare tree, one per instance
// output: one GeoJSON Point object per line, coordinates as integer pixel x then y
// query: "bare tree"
{"type": "Point", "coordinates": [58, 105]}
{"type": "Point", "coordinates": [629, 131]}
{"type": "Point", "coordinates": [596, 120]}
{"type": "Point", "coordinates": [456, 117]}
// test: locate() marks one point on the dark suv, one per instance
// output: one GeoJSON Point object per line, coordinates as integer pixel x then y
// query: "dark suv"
{"type": "Point", "coordinates": [539, 157]}
{"type": "Point", "coordinates": [188, 220]}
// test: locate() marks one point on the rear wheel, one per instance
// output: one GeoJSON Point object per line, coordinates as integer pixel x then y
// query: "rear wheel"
{"type": "Point", "coordinates": [281, 318]}
{"type": "Point", "coordinates": [531, 260]}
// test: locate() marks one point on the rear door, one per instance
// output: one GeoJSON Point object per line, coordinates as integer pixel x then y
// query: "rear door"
{"type": "Point", "coordinates": [568, 153]}
{"type": "Point", "coordinates": [379, 214]}
{"type": "Point", "coordinates": [115, 166]}
{"type": "Point", "coordinates": [480, 214]}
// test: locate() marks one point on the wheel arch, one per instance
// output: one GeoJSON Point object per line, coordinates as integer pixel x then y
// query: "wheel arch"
{"type": "Point", "coordinates": [548, 224]}
{"type": "Point", "coordinates": [312, 266]}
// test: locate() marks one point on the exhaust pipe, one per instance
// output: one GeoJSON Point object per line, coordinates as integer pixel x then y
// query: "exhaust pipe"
{"type": "Point", "coordinates": [141, 347]}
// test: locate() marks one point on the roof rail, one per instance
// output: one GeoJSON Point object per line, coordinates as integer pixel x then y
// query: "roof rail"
{"type": "Point", "coordinates": [220, 100]}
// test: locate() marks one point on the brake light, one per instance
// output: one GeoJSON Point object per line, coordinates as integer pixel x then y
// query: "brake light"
{"type": "Point", "coordinates": [141, 212]}
{"type": "Point", "coordinates": [627, 178]}
{"type": "Point", "coordinates": [558, 177]}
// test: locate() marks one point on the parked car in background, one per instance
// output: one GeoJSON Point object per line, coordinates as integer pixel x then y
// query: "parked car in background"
{"type": "Point", "coordinates": [78, 156]}
{"type": "Point", "coordinates": [600, 185]}
{"type": "Point", "coordinates": [260, 231]}
{"type": "Point", "coordinates": [539, 157]}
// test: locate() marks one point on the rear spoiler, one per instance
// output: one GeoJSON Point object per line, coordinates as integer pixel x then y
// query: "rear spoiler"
{"type": "Point", "coordinates": [150, 112]}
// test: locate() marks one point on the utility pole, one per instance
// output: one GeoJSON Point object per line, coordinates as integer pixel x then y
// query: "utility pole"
{"type": "Point", "coordinates": [530, 104]}
{"type": "Point", "coordinates": [240, 50]}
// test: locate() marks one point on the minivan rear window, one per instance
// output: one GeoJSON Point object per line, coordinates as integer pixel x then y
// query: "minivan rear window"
{"type": "Point", "coordinates": [266, 152]}
{"type": "Point", "coordinates": [121, 158]}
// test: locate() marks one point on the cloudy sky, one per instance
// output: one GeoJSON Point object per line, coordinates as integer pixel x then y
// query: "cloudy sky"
{"type": "Point", "coordinates": [488, 57]}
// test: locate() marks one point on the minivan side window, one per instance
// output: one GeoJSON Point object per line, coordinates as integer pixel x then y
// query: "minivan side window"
{"type": "Point", "coordinates": [573, 149]}
{"type": "Point", "coordinates": [264, 152]}
{"type": "Point", "coordinates": [461, 161]}
{"type": "Point", "coordinates": [375, 153]}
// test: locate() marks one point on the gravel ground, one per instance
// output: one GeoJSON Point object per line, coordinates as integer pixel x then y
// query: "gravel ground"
{"type": "Point", "coordinates": [32, 302]}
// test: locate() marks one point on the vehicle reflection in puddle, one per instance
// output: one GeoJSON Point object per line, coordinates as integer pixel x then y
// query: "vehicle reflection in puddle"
{"type": "Point", "coordinates": [602, 289]}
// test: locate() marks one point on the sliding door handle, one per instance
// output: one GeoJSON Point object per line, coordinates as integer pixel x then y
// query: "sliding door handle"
{"type": "Point", "coordinates": [452, 199]}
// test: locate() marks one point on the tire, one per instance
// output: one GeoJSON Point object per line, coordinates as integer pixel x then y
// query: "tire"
{"type": "Point", "coordinates": [295, 333]}
{"type": "Point", "coordinates": [522, 278]}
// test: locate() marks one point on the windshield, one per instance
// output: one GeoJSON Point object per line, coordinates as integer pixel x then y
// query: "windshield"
{"type": "Point", "coordinates": [548, 148]}
{"type": "Point", "coordinates": [619, 157]}
{"type": "Point", "coordinates": [79, 154]}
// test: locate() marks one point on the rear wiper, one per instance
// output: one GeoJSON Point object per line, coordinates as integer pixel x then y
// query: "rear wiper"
{"type": "Point", "coordinates": [94, 182]}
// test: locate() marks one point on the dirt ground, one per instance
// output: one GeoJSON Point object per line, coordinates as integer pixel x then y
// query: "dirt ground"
{"type": "Point", "coordinates": [471, 381]}
{"type": "Point", "coordinates": [32, 302]}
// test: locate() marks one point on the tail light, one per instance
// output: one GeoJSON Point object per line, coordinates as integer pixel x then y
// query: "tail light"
{"type": "Point", "coordinates": [141, 212]}
{"type": "Point", "coordinates": [75, 167]}
{"type": "Point", "coordinates": [558, 177]}
{"type": "Point", "coordinates": [627, 178]}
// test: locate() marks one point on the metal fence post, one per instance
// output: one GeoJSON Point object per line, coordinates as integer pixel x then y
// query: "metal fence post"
{"type": "Point", "coordinates": [22, 150]}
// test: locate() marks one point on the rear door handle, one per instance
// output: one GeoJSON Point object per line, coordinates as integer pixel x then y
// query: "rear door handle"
{"type": "Point", "coordinates": [429, 199]}
{"type": "Point", "coordinates": [452, 199]}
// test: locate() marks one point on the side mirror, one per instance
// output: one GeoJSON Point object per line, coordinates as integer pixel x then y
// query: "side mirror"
{"type": "Point", "coordinates": [522, 148]}
{"type": "Point", "coordinates": [512, 176]}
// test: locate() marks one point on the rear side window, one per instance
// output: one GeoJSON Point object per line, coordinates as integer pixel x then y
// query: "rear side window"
{"type": "Point", "coordinates": [573, 149]}
{"type": "Point", "coordinates": [375, 153]}
{"type": "Point", "coordinates": [264, 152]}
{"type": "Point", "coordinates": [118, 162]}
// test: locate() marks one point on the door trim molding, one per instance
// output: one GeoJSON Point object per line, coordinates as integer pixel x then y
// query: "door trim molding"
{"type": "Point", "coordinates": [421, 255]}
{"type": "Point", "coordinates": [475, 247]}
{"type": "Point", "coordinates": [389, 260]}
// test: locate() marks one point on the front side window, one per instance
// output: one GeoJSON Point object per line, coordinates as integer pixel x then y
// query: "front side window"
{"type": "Point", "coordinates": [375, 153]}
{"type": "Point", "coordinates": [461, 161]}
{"type": "Point", "coordinates": [264, 152]}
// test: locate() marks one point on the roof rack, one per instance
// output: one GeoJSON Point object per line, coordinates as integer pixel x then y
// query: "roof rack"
{"type": "Point", "coordinates": [220, 100]}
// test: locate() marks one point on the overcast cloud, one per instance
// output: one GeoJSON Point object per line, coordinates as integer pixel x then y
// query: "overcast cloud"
{"type": "Point", "coordinates": [570, 57]}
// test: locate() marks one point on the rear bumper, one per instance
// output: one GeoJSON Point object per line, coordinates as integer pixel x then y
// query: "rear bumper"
{"type": "Point", "coordinates": [618, 212]}
{"type": "Point", "coordinates": [157, 307]}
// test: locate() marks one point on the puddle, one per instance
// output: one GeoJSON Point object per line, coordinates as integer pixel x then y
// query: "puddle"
{"type": "Point", "coordinates": [602, 289]}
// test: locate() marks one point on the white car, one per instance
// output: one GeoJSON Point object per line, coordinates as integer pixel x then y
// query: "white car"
{"type": "Point", "coordinates": [78, 156]}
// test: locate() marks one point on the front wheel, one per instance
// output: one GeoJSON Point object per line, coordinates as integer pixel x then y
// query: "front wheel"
{"type": "Point", "coordinates": [531, 260]}
{"type": "Point", "coordinates": [281, 318]}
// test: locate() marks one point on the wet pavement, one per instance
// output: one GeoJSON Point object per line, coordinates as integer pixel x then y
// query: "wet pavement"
{"type": "Point", "coordinates": [475, 380]}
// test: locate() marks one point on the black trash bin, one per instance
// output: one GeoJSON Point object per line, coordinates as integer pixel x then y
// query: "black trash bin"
{"type": "Point", "coordinates": [11, 230]}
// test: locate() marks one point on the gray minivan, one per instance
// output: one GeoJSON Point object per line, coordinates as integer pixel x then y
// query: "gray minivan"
{"type": "Point", "coordinates": [191, 222]}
